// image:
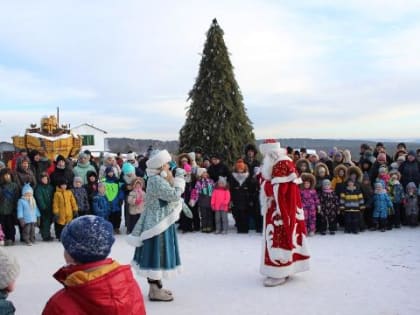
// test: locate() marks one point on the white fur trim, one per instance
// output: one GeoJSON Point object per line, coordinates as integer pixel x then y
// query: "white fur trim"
{"type": "Point", "coordinates": [285, 179]}
{"type": "Point", "coordinates": [156, 274]}
{"type": "Point", "coordinates": [157, 229]}
{"type": "Point", "coordinates": [179, 183]}
{"type": "Point", "coordinates": [280, 272]}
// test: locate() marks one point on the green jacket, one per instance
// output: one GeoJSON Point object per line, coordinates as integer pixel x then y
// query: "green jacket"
{"type": "Point", "coordinates": [44, 197]}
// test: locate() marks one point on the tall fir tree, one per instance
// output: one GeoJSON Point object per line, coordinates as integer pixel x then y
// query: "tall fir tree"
{"type": "Point", "coordinates": [216, 118]}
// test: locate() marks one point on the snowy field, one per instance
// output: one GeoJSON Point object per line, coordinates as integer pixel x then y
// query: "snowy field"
{"type": "Point", "coordinates": [372, 273]}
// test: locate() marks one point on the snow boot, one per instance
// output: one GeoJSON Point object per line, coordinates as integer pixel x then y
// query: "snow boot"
{"type": "Point", "coordinates": [158, 293]}
{"type": "Point", "coordinates": [273, 282]}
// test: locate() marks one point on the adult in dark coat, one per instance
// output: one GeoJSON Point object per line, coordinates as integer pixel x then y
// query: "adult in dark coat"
{"type": "Point", "coordinates": [410, 171]}
{"type": "Point", "coordinates": [217, 168]}
{"type": "Point", "coordinates": [243, 188]}
{"type": "Point", "coordinates": [62, 172]}
{"type": "Point", "coordinates": [38, 164]}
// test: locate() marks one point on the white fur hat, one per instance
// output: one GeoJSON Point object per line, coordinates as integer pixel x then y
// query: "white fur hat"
{"type": "Point", "coordinates": [157, 160]}
{"type": "Point", "coordinates": [269, 145]}
{"type": "Point", "coordinates": [201, 171]}
{"type": "Point", "coordinates": [131, 156]}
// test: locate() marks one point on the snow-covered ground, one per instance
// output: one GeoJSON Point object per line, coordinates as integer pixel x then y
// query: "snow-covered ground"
{"type": "Point", "coordinates": [371, 273]}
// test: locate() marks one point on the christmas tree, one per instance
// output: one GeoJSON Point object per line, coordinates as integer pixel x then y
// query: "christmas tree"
{"type": "Point", "coordinates": [216, 117]}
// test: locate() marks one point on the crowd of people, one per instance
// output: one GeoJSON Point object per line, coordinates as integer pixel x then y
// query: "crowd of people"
{"type": "Point", "coordinates": [195, 192]}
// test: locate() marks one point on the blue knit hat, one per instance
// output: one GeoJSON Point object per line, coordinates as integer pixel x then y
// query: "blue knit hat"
{"type": "Point", "coordinates": [27, 189]}
{"type": "Point", "coordinates": [88, 238]}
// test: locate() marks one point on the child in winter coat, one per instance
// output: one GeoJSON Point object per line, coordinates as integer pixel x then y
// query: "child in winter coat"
{"type": "Point", "coordinates": [81, 196]}
{"type": "Point", "coordinates": [396, 192]}
{"type": "Point", "coordinates": [64, 207]}
{"type": "Point", "coordinates": [411, 205]}
{"type": "Point", "coordinates": [9, 195]}
{"type": "Point", "coordinates": [8, 273]}
{"type": "Point", "coordinates": [28, 214]}
{"type": "Point", "coordinates": [115, 198]}
{"type": "Point", "coordinates": [91, 186]}
{"type": "Point", "coordinates": [383, 174]}
{"type": "Point", "coordinates": [382, 204]}
{"type": "Point", "coordinates": [310, 201]}
{"type": "Point", "coordinates": [220, 200]}
{"type": "Point", "coordinates": [201, 195]}
{"type": "Point", "coordinates": [338, 180]}
{"type": "Point", "coordinates": [100, 204]}
{"type": "Point", "coordinates": [93, 283]}
{"type": "Point", "coordinates": [135, 201]}
{"type": "Point", "coordinates": [351, 203]}
{"type": "Point", "coordinates": [329, 206]}
{"type": "Point", "coordinates": [44, 193]}
{"type": "Point", "coordinates": [321, 172]}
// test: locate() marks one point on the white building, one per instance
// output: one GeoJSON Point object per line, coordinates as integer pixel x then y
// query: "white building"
{"type": "Point", "coordinates": [93, 139]}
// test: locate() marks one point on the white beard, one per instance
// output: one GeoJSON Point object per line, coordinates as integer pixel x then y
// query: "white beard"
{"type": "Point", "coordinates": [270, 160]}
{"type": "Point", "coordinates": [267, 167]}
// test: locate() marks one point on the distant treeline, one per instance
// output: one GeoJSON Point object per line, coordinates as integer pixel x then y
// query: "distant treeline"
{"type": "Point", "coordinates": [140, 146]}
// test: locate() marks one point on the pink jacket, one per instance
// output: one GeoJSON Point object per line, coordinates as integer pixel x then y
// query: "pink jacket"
{"type": "Point", "coordinates": [220, 199]}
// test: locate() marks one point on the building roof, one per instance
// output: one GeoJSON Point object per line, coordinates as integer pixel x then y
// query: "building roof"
{"type": "Point", "coordinates": [89, 125]}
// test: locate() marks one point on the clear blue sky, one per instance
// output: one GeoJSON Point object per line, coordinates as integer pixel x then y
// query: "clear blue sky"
{"type": "Point", "coordinates": [307, 68]}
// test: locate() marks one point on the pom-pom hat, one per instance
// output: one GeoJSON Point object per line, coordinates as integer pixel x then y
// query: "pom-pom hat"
{"type": "Point", "coordinates": [9, 269]}
{"type": "Point", "coordinates": [88, 238]}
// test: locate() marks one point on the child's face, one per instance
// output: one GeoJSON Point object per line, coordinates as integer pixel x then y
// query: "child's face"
{"type": "Point", "coordinates": [394, 177]}
{"type": "Point", "coordinates": [77, 184]}
{"type": "Point", "coordinates": [350, 184]}
{"type": "Point", "coordinates": [366, 182]}
{"type": "Point", "coordinates": [63, 186]}
{"type": "Point", "coordinates": [101, 189]}
{"type": "Point", "coordinates": [92, 179]}
{"type": "Point", "coordinates": [303, 167]}
{"type": "Point", "coordinates": [138, 185]}
{"type": "Point", "coordinates": [205, 175]}
{"type": "Point", "coordinates": [44, 180]}
{"type": "Point", "coordinates": [326, 187]}
{"type": "Point", "coordinates": [306, 184]}
{"type": "Point", "coordinates": [321, 171]}
{"type": "Point", "coordinates": [110, 174]}
{"type": "Point", "coordinates": [27, 195]}
{"type": "Point", "coordinates": [221, 185]}
{"type": "Point", "coordinates": [341, 173]}
{"type": "Point", "coordinates": [411, 191]}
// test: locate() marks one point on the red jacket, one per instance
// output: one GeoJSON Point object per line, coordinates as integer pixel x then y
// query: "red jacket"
{"type": "Point", "coordinates": [102, 287]}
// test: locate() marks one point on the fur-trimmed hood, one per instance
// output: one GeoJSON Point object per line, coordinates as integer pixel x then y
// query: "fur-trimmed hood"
{"type": "Point", "coordinates": [340, 167]}
{"type": "Point", "coordinates": [308, 177]}
{"type": "Point", "coordinates": [318, 166]}
{"type": "Point", "coordinates": [181, 156]}
{"type": "Point", "coordinates": [356, 170]}
{"type": "Point", "coordinates": [303, 161]}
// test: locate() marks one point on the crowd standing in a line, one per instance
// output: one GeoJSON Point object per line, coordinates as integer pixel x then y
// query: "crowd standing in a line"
{"type": "Point", "coordinates": [377, 191]}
